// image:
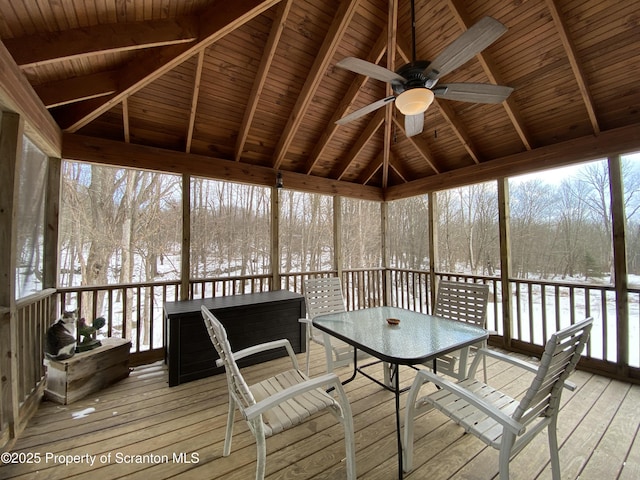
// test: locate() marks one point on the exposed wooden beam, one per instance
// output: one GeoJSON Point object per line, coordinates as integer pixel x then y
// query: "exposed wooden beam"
{"type": "Point", "coordinates": [77, 89]}
{"type": "Point", "coordinates": [576, 67]}
{"type": "Point", "coordinates": [392, 29]}
{"type": "Point", "coordinates": [491, 71]}
{"type": "Point", "coordinates": [194, 100]}
{"type": "Point", "coordinates": [115, 37]}
{"type": "Point", "coordinates": [368, 173]}
{"type": "Point", "coordinates": [361, 142]}
{"type": "Point", "coordinates": [261, 76]}
{"type": "Point", "coordinates": [17, 95]}
{"type": "Point", "coordinates": [611, 142]}
{"type": "Point", "coordinates": [399, 168]}
{"type": "Point", "coordinates": [221, 18]}
{"type": "Point", "coordinates": [420, 145]}
{"type": "Point", "coordinates": [345, 104]}
{"type": "Point", "coordinates": [125, 120]}
{"type": "Point", "coordinates": [111, 152]}
{"type": "Point", "coordinates": [341, 22]}
{"type": "Point", "coordinates": [458, 129]}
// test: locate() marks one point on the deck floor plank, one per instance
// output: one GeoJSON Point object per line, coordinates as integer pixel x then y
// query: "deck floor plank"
{"type": "Point", "coordinates": [598, 432]}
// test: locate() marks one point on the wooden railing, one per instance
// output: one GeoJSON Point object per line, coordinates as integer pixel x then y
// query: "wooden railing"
{"type": "Point", "coordinates": [539, 308]}
{"type": "Point", "coordinates": [135, 311]}
{"type": "Point", "coordinates": [23, 332]}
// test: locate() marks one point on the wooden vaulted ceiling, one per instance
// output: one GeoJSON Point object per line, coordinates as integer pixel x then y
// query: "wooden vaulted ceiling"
{"type": "Point", "coordinates": [248, 88]}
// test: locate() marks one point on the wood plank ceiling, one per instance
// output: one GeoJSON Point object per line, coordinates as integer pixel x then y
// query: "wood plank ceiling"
{"type": "Point", "coordinates": [254, 82]}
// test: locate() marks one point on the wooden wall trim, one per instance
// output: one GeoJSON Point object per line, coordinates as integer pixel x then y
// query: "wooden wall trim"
{"type": "Point", "coordinates": [618, 141]}
{"type": "Point", "coordinates": [111, 152]}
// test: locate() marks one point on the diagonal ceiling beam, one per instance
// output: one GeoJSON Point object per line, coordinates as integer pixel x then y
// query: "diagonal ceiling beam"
{"type": "Point", "coordinates": [340, 24]}
{"type": "Point", "coordinates": [420, 145]}
{"type": "Point", "coordinates": [77, 89]}
{"type": "Point", "coordinates": [221, 18]}
{"type": "Point", "coordinates": [345, 104]}
{"type": "Point", "coordinates": [361, 142]}
{"type": "Point", "coordinates": [576, 67]}
{"type": "Point", "coordinates": [368, 173]}
{"type": "Point", "coordinates": [115, 37]}
{"type": "Point", "coordinates": [458, 129]}
{"type": "Point", "coordinates": [491, 70]}
{"type": "Point", "coordinates": [261, 76]}
{"type": "Point", "coordinates": [194, 100]}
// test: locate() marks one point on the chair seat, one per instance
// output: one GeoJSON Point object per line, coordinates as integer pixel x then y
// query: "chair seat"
{"type": "Point", "coordinates": [470, 417]}
{"type": "Point", "coordinates": [293, 411]}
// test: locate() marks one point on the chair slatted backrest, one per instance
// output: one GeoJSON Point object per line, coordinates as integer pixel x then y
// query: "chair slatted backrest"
{"type": "Point", "coordinates": [462, 301]}
{"type": "Point", "coordinates": [237, 385]}
{"type": "Point", "coordinates": [323, 296]}
{"type": "Point", "coordinates": [561, 355]}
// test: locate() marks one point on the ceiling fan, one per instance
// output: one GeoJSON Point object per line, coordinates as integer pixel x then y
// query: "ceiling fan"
{"type": "Point", "coordinates": [415, 84]}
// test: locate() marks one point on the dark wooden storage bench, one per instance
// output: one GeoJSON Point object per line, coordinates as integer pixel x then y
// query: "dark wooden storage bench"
{"type": "Point", "coordinates": [249, 319]}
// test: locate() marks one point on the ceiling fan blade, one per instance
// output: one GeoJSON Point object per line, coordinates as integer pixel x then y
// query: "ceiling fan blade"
{"type": "Point", "coordinates": [473, 92]}
{"type": "Point", "coordinates": [364, 110]}
{"type": "Point", "coordinates": [465, 47]}
{"type": "Point", "coordinates": [369, 69]}
{"type": "Point", "coordinates": [413, 124]}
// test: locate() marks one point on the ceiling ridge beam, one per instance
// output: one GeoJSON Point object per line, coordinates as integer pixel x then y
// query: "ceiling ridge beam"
{"type": "Point", "coordinates": [361, 142]}
{"type": "Point", "coordinates": [346, 103]}
{"type": "Point", "coordinates": [221, 18]}
{"type": "Point", "coordinates": [337, 29]}
{"type": "Point", "coordinates": [576, 66]}
{"type": "Point", "coordinates": [261, 76]}
{"type": "Point", "coordinates": [77, 43]}
{"type": "Point", "coordinates": [491, 70]}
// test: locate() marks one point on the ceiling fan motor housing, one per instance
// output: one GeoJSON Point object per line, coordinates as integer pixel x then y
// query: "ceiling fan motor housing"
{"type": "Point", "coordinates": [414, 73]}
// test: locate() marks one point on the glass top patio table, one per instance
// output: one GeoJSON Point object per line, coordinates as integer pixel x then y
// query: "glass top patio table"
{"type": "Point", "coordinates": [417, 339]}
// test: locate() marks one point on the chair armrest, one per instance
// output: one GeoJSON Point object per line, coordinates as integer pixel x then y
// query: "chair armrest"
{"type": "Point", "coordinates": [509, 359]}
{"type": "Point", "coordinates": [519, 363]}
{"type": "Point", "coordinates": [508, 422]}
{"type": "Point", "coordinates": [262, 347]}
{"type": "Point", "coordinates": [311, 384]}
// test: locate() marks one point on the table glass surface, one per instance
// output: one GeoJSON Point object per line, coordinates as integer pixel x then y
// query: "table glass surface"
{"type": "Point", "coordinates": [416, 339]}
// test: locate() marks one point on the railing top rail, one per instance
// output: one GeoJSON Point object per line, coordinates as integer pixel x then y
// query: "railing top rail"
{"type": "Point", "coordinates": [35, 297]}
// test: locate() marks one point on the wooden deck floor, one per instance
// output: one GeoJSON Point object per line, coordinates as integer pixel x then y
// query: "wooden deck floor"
{"type": "Point", "coordinates": [180, 432]}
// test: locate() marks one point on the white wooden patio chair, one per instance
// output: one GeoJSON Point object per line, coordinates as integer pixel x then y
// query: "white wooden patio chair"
{"type": "Point", "coordinates": [279, 402]}
{"type": "Point", "coordinates": [323, 296]}
{"type": "Point", "coordinates": [465, 302]}
{"type": "Point", "coordinates": [495, 418]}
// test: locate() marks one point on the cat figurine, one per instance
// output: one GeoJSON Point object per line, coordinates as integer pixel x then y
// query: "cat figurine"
{"type": "Point", "coordinates": [61, 337]}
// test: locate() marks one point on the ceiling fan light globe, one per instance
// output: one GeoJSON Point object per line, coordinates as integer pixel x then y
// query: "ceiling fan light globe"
{"type": "Point", "coordinates": [414, 101]}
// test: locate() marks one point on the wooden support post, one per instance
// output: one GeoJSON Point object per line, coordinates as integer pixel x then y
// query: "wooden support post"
{"type": "Point", "coordinates": [337, 237]}
{"type": "Point", "coordinates": [386, 284]}
{"type": "Point", "coordinates": [620, 264]}
{"type": "Point", "coordinates": [505, 258]}
{"type": "Point", "coordinates": [275, 239]}
{"type": "Point", "coordinates": [51, 226]}
{"type": "Point", "coordinates": [185, 263]}
{"type": "Point", "coordinates": [434, 258]}
{"type": "Point", "coordinates": [11, 133]}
